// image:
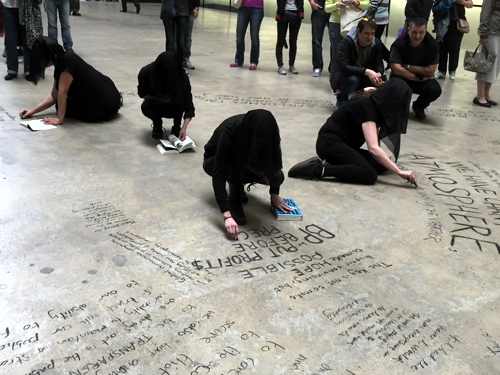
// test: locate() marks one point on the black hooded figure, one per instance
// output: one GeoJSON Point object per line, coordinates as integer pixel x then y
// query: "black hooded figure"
{"type": "Point", "coordinates": [79, 91]}
{"type": "Point", "coordinates": [382, 115]}
{"type": "Point", "coordinates": [244, 149]}
{"type": "Point", "coordinates": [165, 88]}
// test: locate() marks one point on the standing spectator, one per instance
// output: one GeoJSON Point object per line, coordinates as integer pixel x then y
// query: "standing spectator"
{"type": "Point", "coordinates": [288, 17]}
{"type": "Point", "coordinates": [124, 6]}
{"type": "Point", "coordinates": [359, 61]}
{"type": "Point", "coordinates": [379, 9]}
{"type": "Point", "coordinates": [61, 7]}
{"type": "Point", "coordinates": [74, 7]}
{"type": "Point", "coordinates": [446, 15]}
{"type": "Point", "coordinates": [22, 20]}
{"type": "Point", "coordinates": [251, 12]}
{"type": "Point", "coordinates": [417, 8]}
{"type": "Point", "coordinates": [414, 58]}
{"type": "Point", "coordinates": [334, 7]}
{"type": "Point", "coordinates": [489, 36]}
{"type": "Point", "coordinates": [165, 88]}
{"type": "Point", "coordinates": [193, 14]}
{"type": "Point", "coordinates": [176, 27]}
{"type": "Point", "coordinates": [319, 20]}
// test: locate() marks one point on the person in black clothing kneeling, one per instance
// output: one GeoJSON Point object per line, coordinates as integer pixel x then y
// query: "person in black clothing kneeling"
{"type": "Point", "coordinates": [165, 88]}
{"type": "Point", "coordinates": [79, 91]}
{"type": "Point", "coordinates": [244, 149]}
{"type": "Point", "coordinates": [380, 114]}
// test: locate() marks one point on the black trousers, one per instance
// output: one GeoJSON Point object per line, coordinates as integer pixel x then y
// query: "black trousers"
{"type": "Point", "coordinates": [156, 110]}
{"type": "Point", "coordinates": [291, 22]}
{"type": "Point", "coordinates": [428, 91]}
{"type": "Point", "coordinates": [346, 163]}
{"type": "Point", "coordinates": [124, 4]}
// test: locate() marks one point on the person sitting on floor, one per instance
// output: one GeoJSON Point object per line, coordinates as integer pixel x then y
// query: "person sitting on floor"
{"type": "Point", "coordinates": [359, 61]}
{"type": "Point", "coordinates": [244, 149]}
{"type": "Point", "coordinates": [380, 114]}
{"type": "Point", "coordinates": [166, 90]}
{"type": "Point", "coordinates": [79, 91]}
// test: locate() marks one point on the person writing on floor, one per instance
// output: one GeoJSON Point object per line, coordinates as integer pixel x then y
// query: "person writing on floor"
{"type": "Point", "coordinates": [244, 149]}
{"type": "Point", "coordinates": [79, 91]}
{"type": "Point", "coordinates": [380, 114]}
{"type": "Point", "coordinates": [166, 90]}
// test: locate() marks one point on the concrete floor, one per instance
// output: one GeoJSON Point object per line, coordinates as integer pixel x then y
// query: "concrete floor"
{"type": "Point", "coordinates": [114, 258]}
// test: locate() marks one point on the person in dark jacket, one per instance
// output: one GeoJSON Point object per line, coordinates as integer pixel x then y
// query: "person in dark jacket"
{"type": "Point", "coordinates": [359, 61]}
{"type": "Point", "coordinates": [244, 149]}
{"type": "Point", "coordinates": [166, 90]}
{"type": "Point", "coordinates": [289, 16]}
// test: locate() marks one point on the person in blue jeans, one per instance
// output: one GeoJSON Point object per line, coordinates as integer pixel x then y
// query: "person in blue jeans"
{"type": "Point", "coordinates": [319, 20]}
{"type": "Point", "coordinates": [251, 12]}
{"type": "Point", "coordinates": [61, 7]}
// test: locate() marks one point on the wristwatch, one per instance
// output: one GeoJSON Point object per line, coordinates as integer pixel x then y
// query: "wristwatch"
{"type": "Point", "coordinates": [407, 66]}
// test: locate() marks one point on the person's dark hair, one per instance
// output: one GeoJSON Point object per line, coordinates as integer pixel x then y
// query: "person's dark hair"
{"type": "Point", "coordinates": [417, 21]}
{"type": "Point", "coordinates": [45, 50]}
{"type": "Point", "coordinates": [364, 22]}
{"type": "Point", "coordinates": [359, 94]}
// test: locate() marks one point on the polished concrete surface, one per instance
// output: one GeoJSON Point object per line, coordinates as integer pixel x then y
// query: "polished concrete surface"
{"type": "Point", "coordinates": [114, 258]}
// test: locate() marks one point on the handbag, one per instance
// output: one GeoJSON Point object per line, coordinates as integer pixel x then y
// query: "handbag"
{"type": "Point", "coordinates": [479, 62]}
{"type": "Point", "coordinates": [349, 17]}
{"type": "Point", "coordinates": [463, 26]}
{"type": "Point", "coordinates": [237, 3]}
{"type": "Point", "coordinates": [167, 9]}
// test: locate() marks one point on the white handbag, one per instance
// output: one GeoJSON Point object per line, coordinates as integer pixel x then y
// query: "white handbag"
{"type": "Point", "coordinates": [349, 18]}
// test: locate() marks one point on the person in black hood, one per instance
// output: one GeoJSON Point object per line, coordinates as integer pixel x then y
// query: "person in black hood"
{"type": "Point", "coordinates": [381, 115]}
{"type": "Point", "coordinates": [165, 88]}
{"type": "Point", "coordinates": [244, 149]}
{"type": "Point", "coordinates": [79, 91]}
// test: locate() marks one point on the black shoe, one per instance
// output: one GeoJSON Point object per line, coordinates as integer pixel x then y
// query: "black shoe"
{"type": "Point", "coordinates": [475, 101]}
{"type": "Point", "coordinates": [76, 14]}
{"type": "Point", "coordinates": [305, 169]}
{"type": "Point", "coordinates": [10, 76]}
{"type": "Point", "coordinates": [419, 113]}
{"type": "Point", "coordinates": [137, 8]}
{"type": "Point", "coordinates": [157, 132]}
{"type": "Point", "coordinates": [175, 130]}
{"type": "Point", "coordinates": [237, 193]}
{"type": "Point", "coordinates": [123, 10]}
{"type": "Point", "coordinates": [492, 102]}
{"type": "Point", "coordinates": [237, 212]}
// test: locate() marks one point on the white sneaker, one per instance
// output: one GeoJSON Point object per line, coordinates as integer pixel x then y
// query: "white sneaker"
{"type": "Point", "coordinates": [439, 75]}
{"type": "Point", "coordinates": [316, 72]}
{"type": "Point", "coordinates": [187, 65]}
{"type": "Point", "coordinates": [281, 70]}
{"type": "Point", "coordinates": [453, 75]}
{"type": "Point", "coordinates": [293, 70]}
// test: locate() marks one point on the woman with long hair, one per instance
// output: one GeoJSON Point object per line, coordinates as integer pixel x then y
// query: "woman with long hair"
{"type": "Point", "coordinates": [79, 90]}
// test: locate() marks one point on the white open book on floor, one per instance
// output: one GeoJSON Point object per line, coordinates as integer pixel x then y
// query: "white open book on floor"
{"type": "Point", "coordinates": [174, 145]}
{"type": "Point", "coordinates": [35, 125]}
